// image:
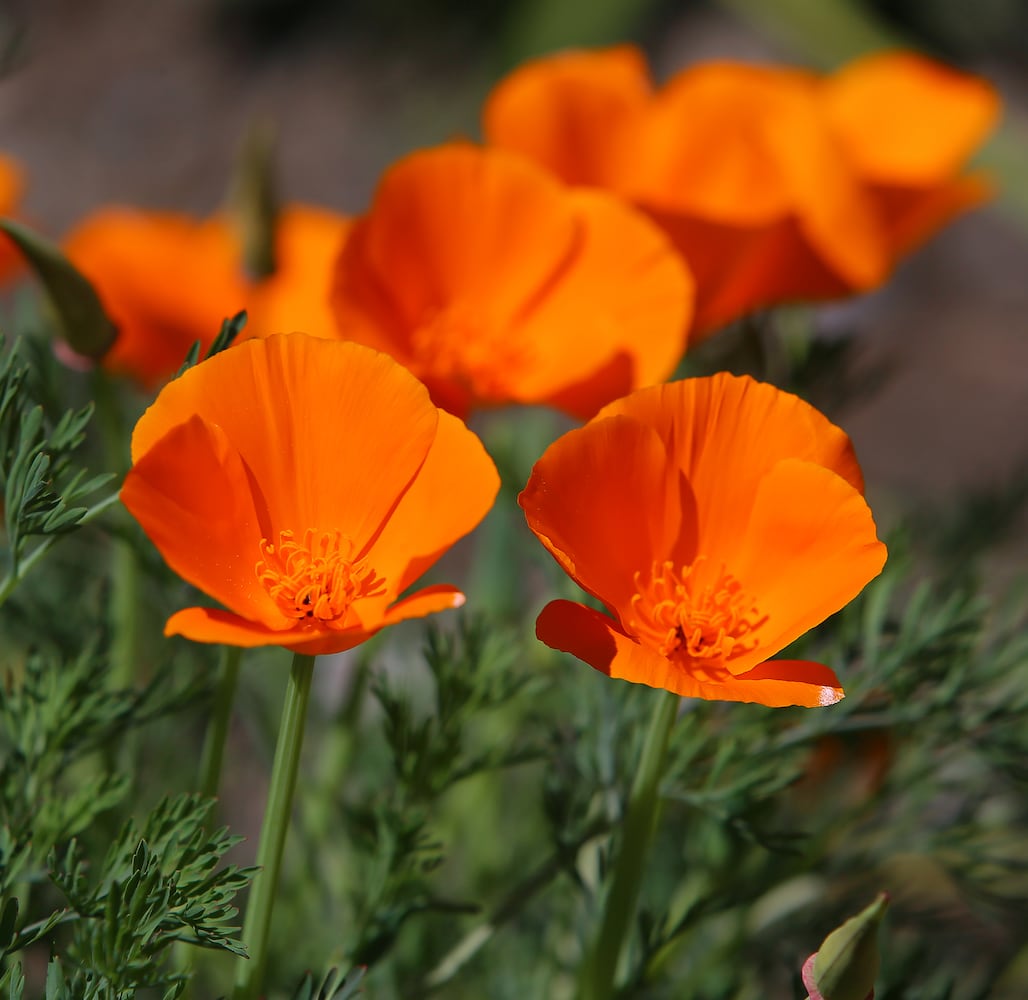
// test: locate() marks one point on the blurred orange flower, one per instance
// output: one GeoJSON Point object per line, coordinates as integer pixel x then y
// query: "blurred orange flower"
{"type": "Point", "coordinates": [494, 283]}
{"type": "Point", "coordinates": [717, 520]}
{"type": "Point", "coordinates": [775, 184]}
{"type": "Point", "coordinates": [10, 193]}
{"type": "Point", "coordinates": [168, 280]}
{"type": "Point", "coordinates": [305, 484]}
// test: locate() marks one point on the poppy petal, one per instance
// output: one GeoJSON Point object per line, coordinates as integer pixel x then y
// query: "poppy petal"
{"type": "Point", "coordinates": [809, 548]}
{"type": "Point", "coordinates": [312, 419]}
{"type": "Point", "coordinates": [195, 498]}
{"type": "Point", "coordinates": [427, 601]}
{"type": "Point", "coordinates": [603, 503]}
{"type": "Point", "coordinates": [905, 120]}
{"type": "Point", "coordinates": [624, 291]}
{"type": "Point", "coordinates": [727, 432]}
{"type": "Point", "coordinates": [296, 297]}
{"type": "Point", "coordinates": [595, 639]}
{"type": "Point", "coordinates": [460, 222]}
{"type": "Point", "coordinates": [575, 113]}
{"type": "Point", "coordinates": [453, 491]}
{"type": "Point", "coordinates": [166, 280]}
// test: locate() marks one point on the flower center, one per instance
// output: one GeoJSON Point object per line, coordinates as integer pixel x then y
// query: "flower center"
{"type": "Point", "coordinates": [459, 344]}
{"type": "Point", "coordinates": [691, 616]}
{"type": "Point", "coordinates": [315, 580]}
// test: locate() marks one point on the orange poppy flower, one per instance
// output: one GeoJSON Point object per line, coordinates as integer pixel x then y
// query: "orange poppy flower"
{"type": "Point", "coordinates": [909, 125]}
{"type": "Point", "coordinates": [168, 280]}
{"type": "Point", "coordinates": [774, 184]}
{"type": "Point", "coordinates": [10, 193]}
{"type": "Point", "coordinates": [305, 484]}
{"type": "Point", "coordinates": [717, 520]}
{"type": "Point", "coordinates": [494, 283]}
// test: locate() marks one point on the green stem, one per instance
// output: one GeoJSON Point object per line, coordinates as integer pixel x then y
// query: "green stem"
{"type": "Point", "coordinates": [217, 727]}
{"type": "Point", "coordinates": [256, 927]}
{"type": "Point", "coordinates": [640, 824]}
{"type": "Point", "coordinates": [24, 565]}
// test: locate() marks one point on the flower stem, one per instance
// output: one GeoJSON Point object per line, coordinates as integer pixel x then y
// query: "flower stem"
{"type": "Point", "coordinates": [600, 967]}
{"type": "Point", "coordinates": [217, 727]}
{"type": "Point", "coordinates": [256, 927]}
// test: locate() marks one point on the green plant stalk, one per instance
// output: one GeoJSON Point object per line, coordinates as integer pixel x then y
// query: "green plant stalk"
{"type": "Point", "coordinates": [257, 925]}
{"type": "Point", "coordinates": [217, 727]}
{"type": "Point", "coordinates": [596, 981]}
{"type": "Point", "coordinates": [124, 608]}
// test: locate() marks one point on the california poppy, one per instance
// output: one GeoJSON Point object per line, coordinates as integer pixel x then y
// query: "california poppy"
{"type": "Point", "coordinates": [775, 184]}
{"type": "Point", "coordinates": [717, 520]}
{"type": "Point", "coordinates": [305, 484]}
{"type": "Point", "coordinates": [168, 280]}
{"type": "Point", "coordinates": [10, 192]}
{"type": "Point", "coordinates": [495, 283]}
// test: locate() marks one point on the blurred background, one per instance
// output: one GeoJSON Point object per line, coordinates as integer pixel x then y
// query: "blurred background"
{"type": "Point", "coordinates": [146, 104]}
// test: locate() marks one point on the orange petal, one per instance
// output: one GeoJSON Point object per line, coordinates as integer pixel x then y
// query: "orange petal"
{"type": "Point", "coordinates": [11, 184]}
{"type": "Point", "coordinates": [462, 223]}
{"type": "Point", "coordinates": [809, 548]}
{"type": "Point", "coordinates": [739, 269]}
{"type": "Point", "coordinates": [834, 211]}
{"type": "Point", "coordinates": [452, 492]}
{"type": "Point", "coordinates": [224, 628]}
{"type": "Point", "coordinates": [727, 433]}
{"type": "Point", "coordinates": [908, 121]}
{"type": "Point", "coordinates": [166, 280]}
{"type": "Point", "coordinates": [913, 215]}
{"type": "Point", "coordinates": [604, 501]}
{"type": "Point", "coordinates": [594, 638]}
{"type": "Point", "coordinates": [427, 601]}
{"type": "Point", "coordinates": [575, 113]}
{"type": "Point", "coordinates": [193, 495]}
{"type": "Point", "coordinates": [624, 291]}
{"type": "Point", "coordinates": [296, 297]}
{"type": "Point", "coordinates": [314, 420]}
{"type": "Point", "coordinates": [707, 150]}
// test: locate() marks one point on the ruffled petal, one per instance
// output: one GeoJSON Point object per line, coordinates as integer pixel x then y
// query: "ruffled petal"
{"type": "Point", "coordinates": [907, 121]}
{"type": "Point", "coordinates": [576, 113]}
{"type": "Point", "coordinates": [429, 600]}
{"type": "Point", "coordinates": [809, 547]}
{"type": "Point", "coordinates": [604, 500]}
{"type": "Point", "coordinates": [312, 419]}
{"type": "Point", "coordinates": [194, 496]}
{"type": "Point", "coordinates": [452, 492]}
{"type": "Point", "coordinates": [166, 280]}
{"type": "Point", "coordinates": [727, 433]}
{"type": "Point", "coordinates": [459, 223]}
{"type": "Point", "coordinates": [913, 215]}
{"type": "Point", "coordinates": [625, 291]}
{"type": "Point", "coordinates": [595, 639]}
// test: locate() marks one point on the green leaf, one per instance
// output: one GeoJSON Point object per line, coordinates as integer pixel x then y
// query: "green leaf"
{"type": "Point", "coordinates": [84, 325]}
{"type": "Point", "coordinates": [845, 967]}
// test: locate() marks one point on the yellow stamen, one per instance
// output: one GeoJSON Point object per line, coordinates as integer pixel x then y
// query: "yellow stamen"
{"type": "Point", "coordinates": [688, 620]}
{"type": "Point", "coordinates": [316, 580]}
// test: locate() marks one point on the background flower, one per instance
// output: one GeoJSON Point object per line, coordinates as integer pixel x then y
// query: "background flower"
{"type": "Point", "coordinates": [168, 280]}
{"type": "Point", "coordinates": [717, 520]}
{"type": "Point", "coordinates": [305, 484]}
{"type": "Point", "coordinates": [494, 283]}
{"type": "Point", "coordinates": [776, 185]}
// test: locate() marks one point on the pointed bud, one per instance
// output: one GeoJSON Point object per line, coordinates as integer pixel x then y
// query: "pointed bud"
{"type": "Point", "coordinates": [82, 323]}
{"type": "Point", "coordinates": [846, 965]}
{"type": "Point", "coordinates": [253, 201]}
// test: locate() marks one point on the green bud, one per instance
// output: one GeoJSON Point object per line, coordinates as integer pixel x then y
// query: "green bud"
{"type": "Point", "coordinates": [253, 201]}
{"type": "Point", "coordinates": [846, 965]}
{"type": "Point", "coordinates": [82, 323]}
